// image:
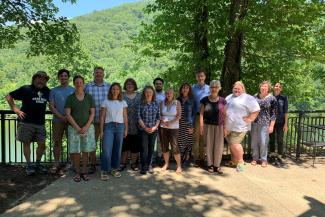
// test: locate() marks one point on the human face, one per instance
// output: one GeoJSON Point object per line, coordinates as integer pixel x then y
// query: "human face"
{"type": "Point", "coordinates": [277, 89]}
{"type": "Point", "coordinates": [159, 86]}
{"type": "Point", "coordinates": [64, 79]}
{"type": "Point", "coordinates": [99, 76]}
{"type": "Point", "coordinates": [185, 90]}
{"type": "Point", "coordinates": [200, 77]}
{"type": "Point", "coordinates": [39, 82]}
{"type": "Point", "coordinates": [130, 87]}
{"type": "Point", "coordinates": [237, 90]}
{"type": "Point", "coordinates": [214, 90]}
{"type": "Point", "coordinates": [78, 84]}
{"type": "Point", "coordinates": [169, 95]}
{"type": "Point", "coordinates": [115, 91]}
{"type": "Point", "coordinates": [264, 89]}
{"type": "Point", "coordinates": [148, 93]}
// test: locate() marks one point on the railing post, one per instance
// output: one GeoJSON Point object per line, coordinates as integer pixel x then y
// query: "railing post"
{"type": "Point", "coordinates": [298, 149]}
{"type": "Point", "coordinates": [3, 138]}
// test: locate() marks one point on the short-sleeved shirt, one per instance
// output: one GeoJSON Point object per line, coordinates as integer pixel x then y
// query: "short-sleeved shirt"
{"type": "Point", "coordinates": [269, 107]}
{"type": "Point", "coordinates": [114, 110]}
{"type": "Point", "coordinates": [58, 96]}
{"type": "Point", "coordinates": [34, 102]}
{"type": "Point", "coordinates": [99, 94]}
{"type": "Point", "coordinates": [237, 108]}
{"type": "Point", "coordinates": [282, 108]}
{"type": "Point", "coordinates": [199, 92]}
{"type": "Point", "coordinates": [80, 110]}
{"type": "Point", "coordinates": [133, 105]}
{"type": "Point", "coordinates": [149, 113]}
{"type": "Point", "coordinates": [213, 111]}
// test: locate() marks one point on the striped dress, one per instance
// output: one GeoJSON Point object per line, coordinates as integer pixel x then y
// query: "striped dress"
{"type": "Point", "coordinates": [185, 140]}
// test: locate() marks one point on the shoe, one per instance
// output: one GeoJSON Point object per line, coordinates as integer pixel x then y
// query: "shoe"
{"type": "Point", "coordinates": [92, 169]}
{"type": "Point", "coordinates": [30, 170]}
{"type": "Point", "coordinates": [143, 172]}
{"type": "Point", "coordinates": [150, 170]}
{"type": "Point", "coordinates": [77, 178]}
{"type": "Point", "coordinates": [116, 174]}
{"type": "Point", "coordinates": [218, 170]}
{"type": "Point", "coordinates": [85, 177]}
{"type": "Point", "coordinates": [240, 167]}
{"type": "Point", "coordinates": [134, 167]}
{"type": "Point", "coordinates": [232, 164]}
{"type": "Point", "coordinates": [41, 169]}
{"type": "Point", "coordinates": [104, 176]}
{"type": "Point", "coordinates": [122, 167]}
{"type": "Point", "coordinates": [210, 169]}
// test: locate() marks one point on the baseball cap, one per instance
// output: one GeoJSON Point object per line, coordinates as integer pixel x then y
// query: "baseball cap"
{"type": "Point", "coordinates": [41, 74]}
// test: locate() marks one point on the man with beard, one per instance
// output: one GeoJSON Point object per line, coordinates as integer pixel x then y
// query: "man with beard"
{"type": "Point", "coordinates": [31, 117]}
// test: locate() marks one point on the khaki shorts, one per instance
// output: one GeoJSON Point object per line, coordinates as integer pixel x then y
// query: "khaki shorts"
{"type": "Point", "coordinates": [84, 143]}
{"type": "Point", "coordinates": [58, 129]}
{"type": "Point", "coordinates": [235, 137]}
{"type": "Point", "coordinates": [27, 133]}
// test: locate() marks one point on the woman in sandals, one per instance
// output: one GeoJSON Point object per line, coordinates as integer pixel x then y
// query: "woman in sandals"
{"type": "Point", "coordinates": [170, 112]}
{"type": "Point", "coordinates": [263, 125]}
{"type": "Point", "coordinates": [242, 109]}
{"type": "Point", "coordinates": [148, 119]}
{"type": "Point", "coordinates": [212, 121]}
{"type": "Point", "coordinates": [131, 142]}
{"type": "Point", "coordinates": [113, 128]}
{"type": "Point", "coordinates": [80, 111]}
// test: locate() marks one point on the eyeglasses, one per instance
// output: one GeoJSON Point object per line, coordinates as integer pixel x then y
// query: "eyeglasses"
{"type": "Point", "coordinates": [214, 87]}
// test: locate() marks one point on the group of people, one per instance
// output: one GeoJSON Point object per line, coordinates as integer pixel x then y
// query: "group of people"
{"type": "Point", "coordinates": [129, 124]}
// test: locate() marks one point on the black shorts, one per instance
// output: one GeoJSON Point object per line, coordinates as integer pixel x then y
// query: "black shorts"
{"type": "Point", "coordinates": [131, 143]}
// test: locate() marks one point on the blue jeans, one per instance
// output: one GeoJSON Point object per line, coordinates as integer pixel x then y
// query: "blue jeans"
{"type": "Point", "coordinates": [259, 141]}
{"type": "Point", "coordinates": [112, 146]}
{"type": "Point", "coordinates": [147, 148]}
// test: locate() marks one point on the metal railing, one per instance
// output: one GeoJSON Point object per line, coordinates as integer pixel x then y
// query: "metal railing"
{"type": "Point", "coordinates": [12, 150]}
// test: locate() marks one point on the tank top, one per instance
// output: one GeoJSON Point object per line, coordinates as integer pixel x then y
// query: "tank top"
{"type": "Point", "coordinates": [169, 113]}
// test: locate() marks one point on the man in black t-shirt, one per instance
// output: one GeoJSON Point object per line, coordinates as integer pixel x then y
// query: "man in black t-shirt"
{"type": "Point", "coordinates": [281, 122]}
{"type": "Point", "coordinates": [31, 117]}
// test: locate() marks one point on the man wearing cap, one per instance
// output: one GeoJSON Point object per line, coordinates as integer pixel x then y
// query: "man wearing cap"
{"type": "Point", "coordinates": [98, 89]}
{"type": "Point", "coordinates": [31, 117]}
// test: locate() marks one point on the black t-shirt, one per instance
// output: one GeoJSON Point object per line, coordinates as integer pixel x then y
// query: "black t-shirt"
{"type": "Point", "coordinates": [33, 102]}
{"type": "Point", "coordinates": [211, 111]}
{"type": "Point", "coordinates": [282, 108]}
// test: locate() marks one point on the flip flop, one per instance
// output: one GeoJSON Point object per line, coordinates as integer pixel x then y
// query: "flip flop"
{"type": "Point", "coordinates": [77, 178]}
{"type": "Point", "coordinates": [85, 177]}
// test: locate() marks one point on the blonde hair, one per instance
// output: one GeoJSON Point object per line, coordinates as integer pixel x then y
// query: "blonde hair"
{"type": "Point", "coordinates": [269, 85]}
{"type": "Point", "coordinates": [240, 83]}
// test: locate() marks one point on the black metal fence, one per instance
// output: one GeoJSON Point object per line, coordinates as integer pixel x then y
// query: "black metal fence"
{"type": "Point", "coordinates": [12, 150]}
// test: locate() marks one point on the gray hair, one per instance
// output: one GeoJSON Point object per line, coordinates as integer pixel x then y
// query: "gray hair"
{"type": "Point", "coordinates": [215, 83]}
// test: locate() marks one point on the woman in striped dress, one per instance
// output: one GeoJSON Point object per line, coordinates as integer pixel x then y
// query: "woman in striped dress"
{"type": "Point", "coordinates": [186, 123]}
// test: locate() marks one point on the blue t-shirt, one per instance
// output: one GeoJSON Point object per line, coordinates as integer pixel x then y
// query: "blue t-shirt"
{"type": "Point", "coordinates": [58, 96]}
{"type": "Point", "coordinates": [199, 92]}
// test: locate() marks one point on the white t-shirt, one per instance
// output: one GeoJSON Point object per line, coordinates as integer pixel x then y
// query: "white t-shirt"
{"type": "Point", "coordinates": [114, 110]}
{"type": "Point", "coordinates": [237, 108]}
{"type": "Point", "coordinates": [169, 113]}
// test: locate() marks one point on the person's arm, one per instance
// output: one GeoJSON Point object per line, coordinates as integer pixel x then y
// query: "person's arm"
{"type": "Point", "coordinates": [125, 118]}
{"type": "Point", "coordinates": [251, 117]}
{"type": "Point", "coordinates": [154, 128]}
{"type": "Point", "coordinates": [225, 131]}
{"type": "Point", "coordinates": [85, 128]}
{"type": "Point", "coordinates": [70, 119]}
{"type": "Point", "coordinates": [201, 119]}
{"type": "Point", "coordinates": [55, 112]}
{"type": "Point", "coordinates": [178, 114]}
{"type": "Point", "coordinates": [102, 116]}
{"type": "Point", "coordinates": [140, 121]}
{"type": "Point", "coordinates": [273, 112]}
{"type": "Point", "coordinates": [286, 115]}
{"type": "Point", "coordinates": [14, 107]}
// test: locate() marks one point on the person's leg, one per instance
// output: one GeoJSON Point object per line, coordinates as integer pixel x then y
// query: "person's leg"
{"type": "Point", "coordinates": [117, 146]}
{"type": "Point", "coordinates": [107, 148]}
{"type": "Point", "coordinates": [279, 138]}
{"type": "Point", "coordinates": [85, 157]}
{"type": "Point", "coordinates": [144, 151]}
{"type": "Point", "coordinates": [208, 136]}
{"type": "Point", "coordinates": [25, 134]}
{"type": "Point", "coordinates": [195, 148]}
{"type": "Point", "coordinates": [92, 154]}
{"type": "Point", "coordinates": [125, 150]}
{"type": "Point", "coordinates": [218, 145]}
{"type": "Point", "coordinates": [264, 140]}
{"type": "Point", "coordinates": [27, 152]}
{"type": "Point", "coordinates": [164, 135]}
{"type": "Point", "coordinates": [272, 140]}
{"type": "Point", "coordinates": [76, 162]}
{"type": "Point", "coordinates": [151, 143]}
{"type": "Point", "coordinates": [173, 142]}
{"type": "Point", "coordinates": [254, 142]}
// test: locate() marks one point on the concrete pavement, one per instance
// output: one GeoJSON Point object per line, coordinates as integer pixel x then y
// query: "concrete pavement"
{"type": "Point", "coordinates": [294, 190]}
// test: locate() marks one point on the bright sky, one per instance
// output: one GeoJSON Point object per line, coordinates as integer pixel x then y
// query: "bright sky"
{"type": "Point", "coordinates": [82, 7]}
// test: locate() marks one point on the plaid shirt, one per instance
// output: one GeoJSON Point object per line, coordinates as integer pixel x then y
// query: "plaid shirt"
{"type": "Point", "coordinates": [149, 114]}
{"type": "Point", "coordinates": [99, 94]}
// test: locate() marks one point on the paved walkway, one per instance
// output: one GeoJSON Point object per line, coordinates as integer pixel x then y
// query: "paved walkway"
{"type": "Point", "coordinates": [294, 190]}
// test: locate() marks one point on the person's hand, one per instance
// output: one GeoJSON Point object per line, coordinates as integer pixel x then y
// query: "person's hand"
{"type": "Point", "coordinates": [21, 114]}
{"type": "Point", "coordinates": [201, 130]}
{"type": "Point", "coordinates": [101, 135]}
{"type": "Point", "coordinates": [225, 132]}
{"type": "Point", "coordinates": [190, 131]}
{"type": "Point", "coordinates": [285, 128]}
{"type": "Point", "coordinates": [271, 129]}
{"type": "Point", "coordinates": [83, 130]}
{"type": "Point", "coordinates": [247, 119]}
{"type": "Point", "coordinates": [125, 133]}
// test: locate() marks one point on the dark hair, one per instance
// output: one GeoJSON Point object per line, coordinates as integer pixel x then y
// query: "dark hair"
{"type": "Point", "coordinates": [78, 76]}
{"type": "Point", "coordinates": [158, 79]}
{"type": "Point", "coordinates": [61, 71]}
{"type": "Point", "coordinates": [143, 97]}
{"type": "Point", "coordinates": [110, 94]}
{"type": "Point", "coordinates": [130, 80]}
{"type": "Point", "coordinates": [98, 67]}
{"type": "Point", "coordinates": [201, 70]}
{"type": "Point", "coordinates": [190, 94]}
